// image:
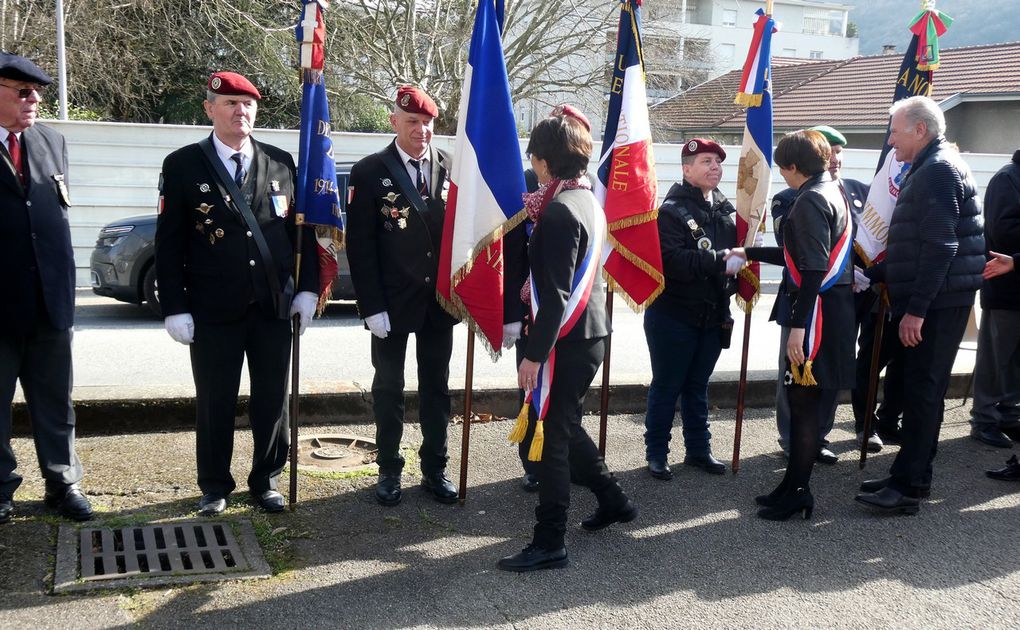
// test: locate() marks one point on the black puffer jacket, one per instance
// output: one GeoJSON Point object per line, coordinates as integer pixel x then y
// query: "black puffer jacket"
{"type": "Point", "coordinates": [936, 246]}
{"type": "Point", "coordinates": [697, 290]}
{"type": "Point", "coordinates": [1002, 234]}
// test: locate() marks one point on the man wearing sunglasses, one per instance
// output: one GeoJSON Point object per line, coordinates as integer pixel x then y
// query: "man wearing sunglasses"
{"type": "Point", "coordinates": [36, 313]}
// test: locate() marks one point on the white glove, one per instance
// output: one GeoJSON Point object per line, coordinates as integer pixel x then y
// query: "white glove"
{"type": "Point", "coordinates": [379, 324]}
{"type": "Point", "coordinates": [759, 239]}
{"type": "Point", "coordinates": [181, 327]}
{"type": "Point", "coordinates": [304, 304]}
{"type": "Point", "coordinates": [734, 265]}
{"type": "Point", "coordinates": [861, 281]}
{"type": "Point", "coordinates": [511, 333]}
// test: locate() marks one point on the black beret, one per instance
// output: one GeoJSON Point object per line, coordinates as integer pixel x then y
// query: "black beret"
{"type": "Point", "coordinates": [17, 68]}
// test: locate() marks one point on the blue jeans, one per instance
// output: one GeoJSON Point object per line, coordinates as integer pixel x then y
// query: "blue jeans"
{"type": "Point", "coordinates": [683, 358]}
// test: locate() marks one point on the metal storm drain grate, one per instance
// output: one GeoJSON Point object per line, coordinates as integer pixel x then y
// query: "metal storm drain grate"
{"type": "Point", "coordinates": [156, 555]}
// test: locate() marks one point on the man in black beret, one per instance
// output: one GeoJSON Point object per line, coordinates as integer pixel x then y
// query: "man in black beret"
{"type": "Point", "coordinates": [36, 313]}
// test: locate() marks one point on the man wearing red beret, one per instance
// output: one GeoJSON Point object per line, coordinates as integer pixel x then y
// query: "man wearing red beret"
{"type": "Point", "coordinates": [225, 242]}
{"type": "Point", "coordinates": [689, 324]}
{"type": "Point", "coordinates": [394, 229]}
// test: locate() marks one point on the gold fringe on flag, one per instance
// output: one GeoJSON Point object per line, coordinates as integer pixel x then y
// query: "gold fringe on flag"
{"type": "Point", "coordinates": [748, 100]}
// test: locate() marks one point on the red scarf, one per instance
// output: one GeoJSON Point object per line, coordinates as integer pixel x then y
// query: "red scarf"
{"type": "Point", "coordinates": [536, 202]}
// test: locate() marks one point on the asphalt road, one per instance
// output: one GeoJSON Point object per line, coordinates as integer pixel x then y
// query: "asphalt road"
{"type": "Point", "coordinates": [695, 557]}
{"type": "Point", "coordinates": [123, 352]}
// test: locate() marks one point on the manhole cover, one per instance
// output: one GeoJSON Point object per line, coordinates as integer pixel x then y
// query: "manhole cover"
{"type": "Point", "coordinates": [156, 555]}
{"type": "Point", "coordinates": [339, 452]}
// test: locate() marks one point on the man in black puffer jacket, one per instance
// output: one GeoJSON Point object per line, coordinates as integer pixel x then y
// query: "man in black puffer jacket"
{"type": "Point", "coordinates": [933, 270]}
{"type": "Point", "coordinates": [995, 416]}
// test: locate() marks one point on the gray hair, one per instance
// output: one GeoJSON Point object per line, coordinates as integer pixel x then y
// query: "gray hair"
{"type": "Point", "coordinates": [211, 96]}
{"type": "Point", "coordinates": [687, 160]}
{"type": "Point", "coordinates": [921, 109]}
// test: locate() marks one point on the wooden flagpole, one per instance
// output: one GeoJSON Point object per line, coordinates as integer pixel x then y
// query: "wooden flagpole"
{"type": "Point", "coordinates": [465, 441]}
{"type": "Point", "coordinates": [741, 388]}
{"type": "Point", "coordinates": [876, 349]}
{"type": "Point", "coordinates": [604, 403]}
{"type": "Point", "coordinates": [295, 364]}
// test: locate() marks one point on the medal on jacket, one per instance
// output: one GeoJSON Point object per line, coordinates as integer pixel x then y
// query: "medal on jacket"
{"type": "Point", "coordinates": [703, 241]}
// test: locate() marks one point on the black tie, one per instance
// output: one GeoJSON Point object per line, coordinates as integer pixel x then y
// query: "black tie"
{"type": "Point", "coordinates": [239, 171]}
{"type": "Point", "coordinates": [419, 179]}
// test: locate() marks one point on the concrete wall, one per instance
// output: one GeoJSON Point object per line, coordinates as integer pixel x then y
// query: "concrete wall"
{"type": "Point", "coordinates": [115, 168]}
{"type": "Point", "coordinates": [986, 126]}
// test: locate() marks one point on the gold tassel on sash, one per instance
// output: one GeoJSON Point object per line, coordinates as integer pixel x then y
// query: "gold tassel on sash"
{"type": "Point", "coordinates": [537, 442]}
{"type": "Point", "coordinates": [521, 426]}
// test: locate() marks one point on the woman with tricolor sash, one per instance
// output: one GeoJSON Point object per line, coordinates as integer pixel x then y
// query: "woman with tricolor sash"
{"type": "Point", "coordinates": [566, 340]}
{"type": "Point", "coordinates": [817, 241]}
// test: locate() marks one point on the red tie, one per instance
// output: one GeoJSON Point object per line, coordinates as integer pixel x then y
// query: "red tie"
{"type": "Point", "coordinates": [15, 149]}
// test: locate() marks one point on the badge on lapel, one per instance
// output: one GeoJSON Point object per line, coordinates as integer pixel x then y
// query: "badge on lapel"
{"type": "Point", "coordinates": [65, 196]}
{"type": "Point", "coordinates": [390, 197]}
{"type": "Point", "coordinates": [445, 192]}
{"type": "Point", "coordinates": [204, 208]}
{"type": "Point", "coordinates": [204, 188]}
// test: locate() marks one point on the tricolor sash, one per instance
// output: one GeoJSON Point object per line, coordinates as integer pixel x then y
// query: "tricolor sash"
{"type": "Point", "coordinates": [580, 291]}
{"type": "Point", "coordinates": [839, 258]}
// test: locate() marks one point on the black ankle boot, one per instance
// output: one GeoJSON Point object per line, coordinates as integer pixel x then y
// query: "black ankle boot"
{"type": "Point", "coordinates": [766, 500]}
{"type": "Point", "coordinates": [800, 500]}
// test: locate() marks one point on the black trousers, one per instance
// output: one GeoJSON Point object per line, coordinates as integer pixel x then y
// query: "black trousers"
{"type": "Point", "coordinates": [433, 347]}
{"type": "Point", "coordinates": [568, 450]}
{"type": "Point", "coordinates": [217, 356]}
{"type": "Point", "coordinates": [42, 361]}
{"type": "Point", "coordinates": [926, 371]}
{"type": "Point", "coordinates": [888, 415]}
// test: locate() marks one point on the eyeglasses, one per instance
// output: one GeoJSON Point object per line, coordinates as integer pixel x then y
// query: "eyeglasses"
{"type": "Point", "coordinates": [23, 92]}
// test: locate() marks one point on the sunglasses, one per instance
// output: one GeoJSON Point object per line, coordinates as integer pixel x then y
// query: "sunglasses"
{"type": "Point", "coordinates": [23, 92]}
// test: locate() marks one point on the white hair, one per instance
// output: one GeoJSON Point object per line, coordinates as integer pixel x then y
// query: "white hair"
{"type": "Point", "coordinates": [921, 109]}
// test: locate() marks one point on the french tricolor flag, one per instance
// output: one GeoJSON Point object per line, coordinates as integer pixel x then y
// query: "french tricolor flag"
{"type": "Point", "coordinates": [486, 187]}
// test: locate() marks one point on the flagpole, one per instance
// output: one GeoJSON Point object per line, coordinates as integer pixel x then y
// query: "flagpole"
{"type": "Point", "coordinates": [604, 405]}
{"type": "Point", "coordinates": [741, 388]}
{"type": "Point", "coordinates": [876, 349]}
{"type": "Point", "coordinates": [295, 358]}
{"type": "Point", "coordinates": [465, 441]}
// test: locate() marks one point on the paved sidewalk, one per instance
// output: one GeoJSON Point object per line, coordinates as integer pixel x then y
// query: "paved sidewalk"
{"type": "Point", "coordinates": [695, 557]}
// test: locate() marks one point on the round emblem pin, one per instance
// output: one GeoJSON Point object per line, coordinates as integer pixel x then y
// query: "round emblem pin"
{"type": "Point", "coordinates": [219, 232]}
{"type": "Point", "coordinates": [857, 202]}
{"type": "Point", "coordinates": [216, 83]}
{"type": "Point", "coordinates": [204, 188]}
{"type": "Point", "coordinates": [704, 243]}
{"type": "Point", "coordinates": [404, 100]}
{"type": "Point", "coordinates": [386, 182]}
{"type": "Point", "coordinates": [692, 145]}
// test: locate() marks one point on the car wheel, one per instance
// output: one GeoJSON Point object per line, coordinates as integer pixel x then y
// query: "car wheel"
{"type": "Point", "coordinates": [151, 290]}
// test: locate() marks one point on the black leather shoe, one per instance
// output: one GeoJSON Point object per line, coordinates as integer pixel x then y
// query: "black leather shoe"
{"type": "Point", "coordinates": [70, 503]}
{"type": "Point", "coordinates": [529, 482]}
{"type": "Point", "coordinates": [1012, 432]}
{"type": "Point", "coordinates": [387, 491]}
{"type": "Point", "coordinates": [659, 469]}
{"type": "Point", "coordinates": [603, 518]}
{"type": "Point", "coordinates": [1010, 473]}
{"type": "Point", "coordinates": [992, 436]}
{"type": "Point", "coordinates": [705, 462]}
{"type": "Point", "coordinates": [890, 500]}
{"type": "Point", "coordinates": [442, 489]}
{"type": "Point", "coordinates": [6, 508]}
{"type": "Point", "coordinates": [874, 485]}
{"type": "Point", "coordinates": [890, 434]}
{"type": "Point", "coordinates": [269, 501]}
{"type": "Point", "coordinates": [212, 504]}
{"type": "Point", "coordinates": [533, 558]}
{"type": "Point", "coordinates": [827, 457]}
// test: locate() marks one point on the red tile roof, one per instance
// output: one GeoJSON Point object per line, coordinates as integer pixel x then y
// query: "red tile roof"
{"type": "Point", "coordinates": [846, 93]}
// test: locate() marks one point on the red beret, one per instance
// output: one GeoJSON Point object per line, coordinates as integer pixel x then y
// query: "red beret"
{"type": "Point", "coordinates": [700, 145]}
{"type": "Point", "coordinates": [231, 83]}
{"type": "Point", "coordinates": [569, 110]}
{"type": "Point", "coordinates": [415, 101]}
